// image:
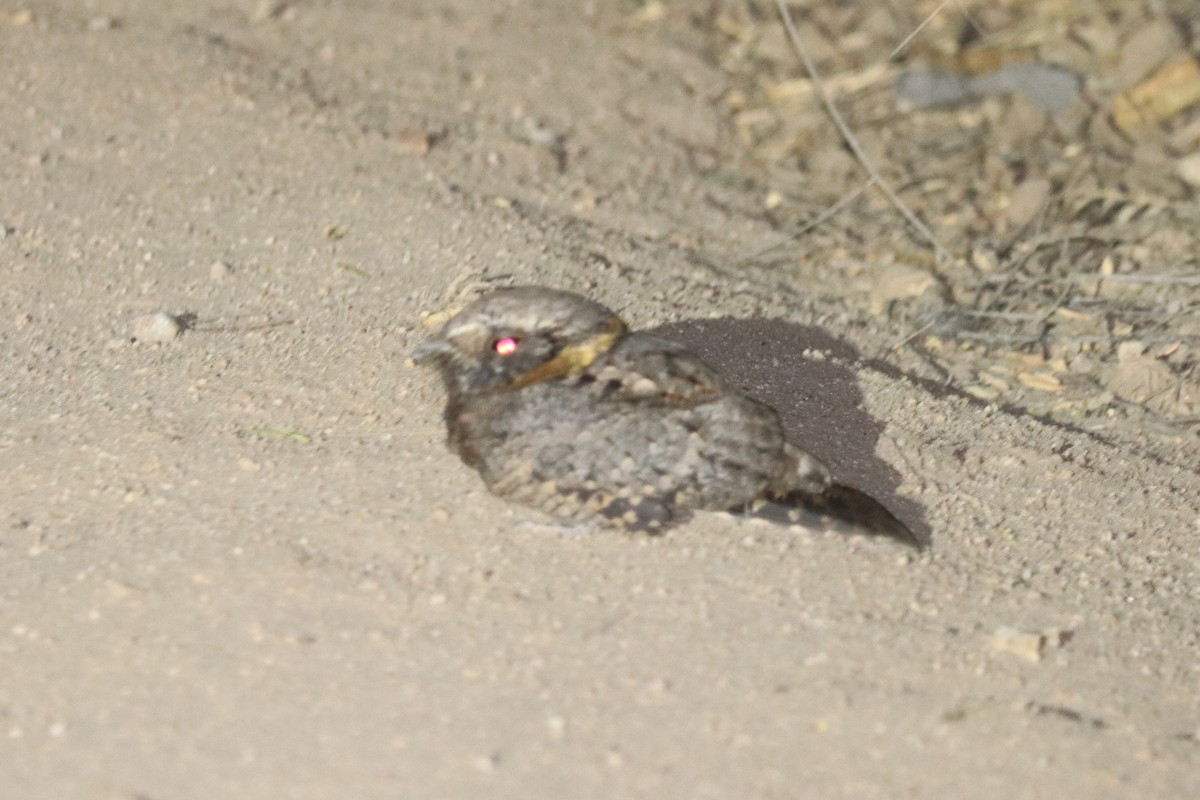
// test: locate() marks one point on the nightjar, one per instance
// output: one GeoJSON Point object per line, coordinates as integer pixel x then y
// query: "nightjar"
{"type": "Point", "coordinates": [559, 406]}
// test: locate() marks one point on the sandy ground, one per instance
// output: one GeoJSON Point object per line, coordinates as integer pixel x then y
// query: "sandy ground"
{"type": "Point", "coordinates": [241, 563]}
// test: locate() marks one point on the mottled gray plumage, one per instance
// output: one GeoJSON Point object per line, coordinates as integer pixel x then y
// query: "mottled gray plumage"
{"type": "Point", "coordinates": [560, 407]}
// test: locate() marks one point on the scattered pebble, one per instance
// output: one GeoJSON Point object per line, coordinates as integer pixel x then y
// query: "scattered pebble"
{"type": "Point", "coordinates": [1141, 377]}
{"type": "Point", "coordinates": [1047, 87]}
{"type": "Point", "coordinates": [984, 258]}
{"type": "Point", "coordinates": [1027, 200]}
{"type": "Point", "coordinates": [103, 22]}
{"type": "Point", "coordinates": [1028, 646]}
{"type": "Point", "coordinates": [117, 590]}
{"type": "Point", "coordinates": [1146, 49]}
{"type": "Point", "coordinates": [414, 142]}
{"type": "Point", "coordinates": [994, 381]}
{"type": "Point", "coordinates": [436, 318]}
{"type": "Point", "coordinates": [651, 12]}
{"type": "Point", "coordinates": [1138, 376]}
{"type": "Point", "coordinates": [1164, 94]}
{"type": "Point", "coordinates": [982, 392]}
{"type": "Point", "coordinates": [556, 726]}
{"type": "Point", "coordinates": [1057, 637]}
{"type": "Point", "coordinates": [156, 328]}
{"type": "Point", "coordinates": [538, 133]}
{"type": "Point", "coordinates": [1188, 168]}
{"type": "Point", "coordinates": [1043, 381]}
{"type": "Point", "coordinates": [899, 282]}
{"type": "Point", "coordinates": [487, 763]}
{"type": "Point", "coordinates": [220, 271]}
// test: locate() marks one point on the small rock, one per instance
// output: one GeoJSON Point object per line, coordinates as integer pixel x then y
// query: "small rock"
{"type": "Point", "coordinates": [1041, 380]}
{"type": "Point", "coordinates": [157, 327]}
{"type": "Point", "coordinates": [984, 393]}
{"type": "Point", "coordinates": [1147, 48]}
{"type": "Point", "coordinates": [649, 13]}
{"type": "Point", "coordinates": [556, 726]}
{"type": "Point", "coordinates": [436, 318]}
{"type": "Point", "coordinates": [1028, 646]}
{"type": "Point", "coordinates": [1057, 637]}
{"type": "Point", "coordinates": [103, 22]}
{"type": "Point", "coordinates": [414, 142]}
{"type": "Point", "coordinates": [984, 258]}
{"type": "Point", "coordinates": [1128, 351]}
{"type": "Point", "coordinates": [1172, 88]}
{"type": "Point", "coordinates": [488, 763]}
{"type": "Point", "coordinates": [1137, 376]}
{"type": "Point", "coordinates": [1027, 200]}
{"type": "Point", "coordinates": [1141, 377]}
{"type": "Point", "coordinates": [1188, 168]}
{"type": "Point", "coordinates": [220, 271]}
{"type": "Point", "coordinates": [1082, 364]}
{"type": "Point", "coordinates": [1045, 86]}
{"type": "Point", "coordinates": [899, 282]}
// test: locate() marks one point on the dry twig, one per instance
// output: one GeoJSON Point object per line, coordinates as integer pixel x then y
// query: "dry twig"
{"type": "Point", "coordinates": [849, 137]}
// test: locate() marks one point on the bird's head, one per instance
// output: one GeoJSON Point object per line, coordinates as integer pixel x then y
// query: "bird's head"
{"type": "Point", "coordinates": [516, 337]}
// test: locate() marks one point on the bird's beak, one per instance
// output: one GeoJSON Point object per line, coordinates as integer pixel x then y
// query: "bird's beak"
{"type": "Point", "coordinates": [432, 348]}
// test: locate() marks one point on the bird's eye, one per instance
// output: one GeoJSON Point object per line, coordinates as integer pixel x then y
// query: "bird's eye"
{"type": "Point", "coordinates": [505, 346]}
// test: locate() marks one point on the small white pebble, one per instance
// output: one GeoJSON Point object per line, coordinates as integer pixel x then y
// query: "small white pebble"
{"type": "Point", "coordinates": [556, 726]}
{"type": "Point", "coordinates": [1023, 644]}
{"type": "Point", "coordinates": [487, 763]}
{"type": "Point", "coordinates": [220, 272]}
{"type": "Point", "coordinates": [157, 327]}
{"type": "Point", "coordinates": [1188, 168]}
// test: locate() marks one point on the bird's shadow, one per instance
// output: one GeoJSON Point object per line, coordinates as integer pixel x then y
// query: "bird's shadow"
{"type": "Point", "coordinates": [816, 394]}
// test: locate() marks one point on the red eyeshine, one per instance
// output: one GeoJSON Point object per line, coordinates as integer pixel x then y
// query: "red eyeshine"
{"type": "Point", "coordinates": [505, 346]}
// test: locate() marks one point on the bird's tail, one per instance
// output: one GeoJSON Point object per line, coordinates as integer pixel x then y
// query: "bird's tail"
{"type": "Point", "coordinates": [836, 508]}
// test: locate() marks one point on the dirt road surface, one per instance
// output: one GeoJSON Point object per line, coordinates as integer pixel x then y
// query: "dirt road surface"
{"type": "Point", "coordinates": [236, 559]}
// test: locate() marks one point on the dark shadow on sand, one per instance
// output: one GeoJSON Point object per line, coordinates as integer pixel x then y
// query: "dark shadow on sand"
{"type": "Point", "coordinates": [817, 398]}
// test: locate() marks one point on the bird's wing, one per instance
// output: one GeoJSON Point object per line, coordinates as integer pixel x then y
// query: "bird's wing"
{"type": "Point", "coordinates": [647, 369]}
